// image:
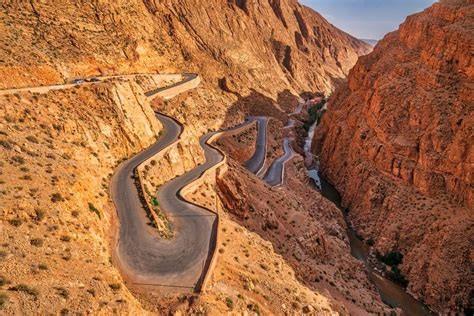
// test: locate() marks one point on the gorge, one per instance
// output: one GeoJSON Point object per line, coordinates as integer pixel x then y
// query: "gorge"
{"type": "Point", "coordinates": [158, 157]}
{"type": "Point", "coordinates": [396, 141]}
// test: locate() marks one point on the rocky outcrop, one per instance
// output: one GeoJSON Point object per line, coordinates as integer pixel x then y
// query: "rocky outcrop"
{"type": "Point", "coordinates": [397, 143]}
{"type": "Point", "coordinates": [237, 39]}
{"type": "Point", "coordinates": [246, 51]}
{"type": "Point", "coordinates": [55, 214]}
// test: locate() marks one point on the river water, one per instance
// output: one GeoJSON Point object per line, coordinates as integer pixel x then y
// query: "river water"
{"type": "Point", "coordinates": [391, 293]}
{"type": "Point", "coordinates": [312, 165]}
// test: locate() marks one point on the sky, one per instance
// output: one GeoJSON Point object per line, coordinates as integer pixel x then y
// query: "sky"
{"type": "Point", "coordinates": [368, 19]}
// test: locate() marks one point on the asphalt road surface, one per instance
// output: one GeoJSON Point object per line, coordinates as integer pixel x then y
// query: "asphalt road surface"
{"type": "Point", "coordinates": [276, 172]}
{"type": "Point", "coordinates": [256, 163]}
{"type": "Point", "coordinates": [146, 257]}
{"type": "Point", "coordinates": [182, 261]}
{"type": "Point", "coordinates": [98, 79]}
{"type": "Point", "coordinates": [299, 108]}
{"type": "Point", "coordinates": [186, 78]}
{"type": "Point", "coordinates": [291, 124]}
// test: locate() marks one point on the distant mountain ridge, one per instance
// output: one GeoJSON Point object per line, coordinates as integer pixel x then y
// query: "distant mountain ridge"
{"type": "Point", "coordinates": [371, 42]}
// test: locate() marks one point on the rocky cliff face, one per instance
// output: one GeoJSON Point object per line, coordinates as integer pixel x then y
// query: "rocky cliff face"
{"type": "Point", "coordinates": [56, 160]}
{"type": "Point", "coordinates": [246, 52]}
{"type": "Point", "coordinates": [304, 228]}
{"type": "Point", "coordinates": [251, 42]}
{"type": "Point", "coordinates": [397, 141]}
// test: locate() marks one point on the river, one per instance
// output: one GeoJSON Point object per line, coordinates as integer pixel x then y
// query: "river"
{"type": "Point", "coordinates": [391, 293]}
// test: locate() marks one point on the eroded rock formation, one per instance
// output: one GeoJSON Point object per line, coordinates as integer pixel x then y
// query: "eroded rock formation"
{"type": "Point", "coordinates": [246, 52]}
{"type": "Point", "coordinates": [249, 41]}
{"type": "Point", "coordinates": [397, 142]}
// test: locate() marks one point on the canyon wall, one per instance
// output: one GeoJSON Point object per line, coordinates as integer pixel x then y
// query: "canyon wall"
{"type": "Point", "coordinates": [397, 142]}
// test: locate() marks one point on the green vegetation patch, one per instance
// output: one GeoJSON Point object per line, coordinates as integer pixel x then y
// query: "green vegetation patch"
{"type": "Point", "coordinates": [229, 302]}
{"type": "Point", "coordinates": [93, 209]}
{"type": "Point", "coordinates": [393, 258]}
{"type": "Point", "coordinates": [3, 300]}
{"type": "Point", "coordinates": [315, 114]}
{"type": "Point", "coordinates": [26, 289]}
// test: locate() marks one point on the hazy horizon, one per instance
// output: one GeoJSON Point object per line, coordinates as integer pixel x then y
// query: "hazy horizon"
{"type": "Point", "coordinates": [367, 19]}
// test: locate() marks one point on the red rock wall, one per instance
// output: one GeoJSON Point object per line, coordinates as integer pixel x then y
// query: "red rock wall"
{"type": "Point", "coordinates": [397, 142]}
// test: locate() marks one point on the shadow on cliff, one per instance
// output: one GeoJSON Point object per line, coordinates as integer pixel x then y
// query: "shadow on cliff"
{"type": "Point", "coordinates": [239, 190]}
{"type": "Point", "coordinates": [258, 104]}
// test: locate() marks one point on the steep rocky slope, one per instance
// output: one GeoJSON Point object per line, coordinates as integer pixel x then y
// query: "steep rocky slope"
{"type": "Point", "coordinates": [250, 41]}
{"type": "Point", "coordinates": [307, 230]}
{"type": "Point", "coordinates": [56, 160]}
{"type": "Point", "coordinates": [247, 52]}
{"type": "Point", "coordinates": [397, 142]}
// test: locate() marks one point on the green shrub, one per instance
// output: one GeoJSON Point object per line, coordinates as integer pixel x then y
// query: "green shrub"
{"type": "Point", "coordinates": [91, 292]}
{"type": "Point", "coordinates": [3, 300]}
{"type": "Point", "coordinates": [314, 114]}
{"type": "Point", "coordinates": [37, 242]}
{"type": "Point", "coordinates": [26, 289]}
{"type": "Point", "coordinates": [39, 215]}
{"type": "Point", "coordinates": [393, 258]}
{"type": "Point", "coordinates": [93, 209]}
{"type": "Point", "coordinates": [18, 159]}
{"type": "Point", "coordinates": [396, 276]}
{"type": "Point", "coordinates": [254, 307]}
{"type": "Point", "coordinates": [63, 292]}
{"type": "Point", "coordinates": [264, 266]}
{"type": "Point", "coordinates": [42, 266]}
{"type": "Point", "coordinates": [6, 144]}
{"type": "Point", "coordinates": [3, 281]}
{"type": "Point", "coordinates": [32, 139]}
{"type": "Point", "coordinates": [229, 302]}
{"type": "Point", "coordinates": [115, 286]}
{"type": "Point", "coordinates": [65, 238]}
{"type": "Point", "coordinates": [56, 197]}
{"type": "Point", "coordinates": [15, 222]}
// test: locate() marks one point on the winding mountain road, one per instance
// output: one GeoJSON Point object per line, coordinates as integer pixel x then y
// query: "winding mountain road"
{"type": "Point", "coordinates": [189, 81]}
{"type": "Point", "coordinates": [146, 257]}
{"type": "Point", "coordinates": [142, 254]}
{"type": "Point", "coordinates": [299, 108]}
{"type": "Point", "coordinates": [256, 164]}
{"type": "Point", "coordinates": [291, 124]}
{"type": "Point", "coordinates": [183, 261]}
{"type": "Point", "coordinates": [276, 173]}
{"type": "Point", "coordinates": [98, 79]}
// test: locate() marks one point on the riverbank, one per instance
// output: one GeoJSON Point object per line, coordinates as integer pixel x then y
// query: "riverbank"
{"type": "Point", "coordinates": [391, 293]}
